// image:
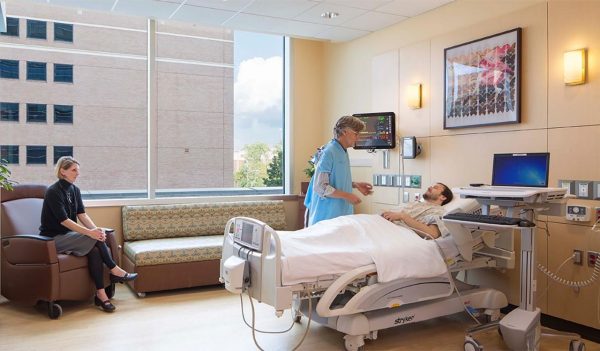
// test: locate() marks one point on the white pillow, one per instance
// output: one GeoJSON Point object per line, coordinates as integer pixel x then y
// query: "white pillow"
{"type": "Point", "coordinates": [461, 205]}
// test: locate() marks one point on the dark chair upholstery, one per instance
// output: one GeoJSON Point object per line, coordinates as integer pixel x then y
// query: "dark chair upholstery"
{"type": "Point", "coordinates": [32, 271]}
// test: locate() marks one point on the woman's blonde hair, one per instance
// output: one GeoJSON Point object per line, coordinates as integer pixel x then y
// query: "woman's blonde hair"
{"type": "Point", "coordinates": [65, 163]}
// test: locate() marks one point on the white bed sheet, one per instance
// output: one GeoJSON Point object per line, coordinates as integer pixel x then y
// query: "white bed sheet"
{"type": "Point", "coordinates": [341, 244]}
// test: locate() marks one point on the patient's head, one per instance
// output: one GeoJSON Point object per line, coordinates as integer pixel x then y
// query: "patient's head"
{"type": "Point", "coordinates": [438, 193]}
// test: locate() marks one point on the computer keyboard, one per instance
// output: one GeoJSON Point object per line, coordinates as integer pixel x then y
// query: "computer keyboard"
{"type": "Point", "coordinates": [470, 217]}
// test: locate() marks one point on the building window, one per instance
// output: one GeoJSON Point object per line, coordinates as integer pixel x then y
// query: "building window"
{"type": "Point", "coordinates": [63, 32]}
{"type": "Point", "coordinates": [36, 113]}
{"type": "Point", "coordinates": [36, 155]}
{"type": "Point", "coordinates": [63, 73]}
{"type": "Point", "coordinates": [10, 153]}
{"type": "Point", "coordinates": [9, 111]}
{"type": "Point", "coordinates": [63, 114]}
{"type": "Point", "coordinates": [36, 70]}
{"type": "Point", "coordinates": [36, 29]}
{"type": "Point", "coordinates": [12, 27]}
{"type": "Point", "coordinates": [9, 69]}
{"type": "Point", "coordinates": [60, 151]}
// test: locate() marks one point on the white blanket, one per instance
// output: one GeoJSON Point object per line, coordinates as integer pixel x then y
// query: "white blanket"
{"type": "Point", "coordinates": [341, 244]}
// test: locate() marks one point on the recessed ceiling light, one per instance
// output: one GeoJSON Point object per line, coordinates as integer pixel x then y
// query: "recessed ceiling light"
{"type": "Point", "coordinates": [329, 15]}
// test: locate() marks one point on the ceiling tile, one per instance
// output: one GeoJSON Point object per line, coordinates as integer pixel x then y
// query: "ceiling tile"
{"type": "Point", "coordinates": [359, 4]}
{"type": "Point", "coordinates": [202, 15]}
{"type": "Point", "coordinates": [101, 5]}
{"type": "Point", "coordinates": [410, 8]}
{"type": "Point", "coordinates": [313, 15]}
{"type": "Point", "coordinates": [148, 8]}
{"type": "Point", "coordinates": [275, 25]}
{"type": "Point", "coordinates": [372, 21]}
{"type": "Point", "coordinates": [338, 34]}
{"type": "Point", "coordinates": [229, 5]}
{"type": "Point", "coordinates": [282, 9]}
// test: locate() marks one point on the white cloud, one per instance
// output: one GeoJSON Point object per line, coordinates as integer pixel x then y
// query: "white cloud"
{"type": "Point", "coordinates": [258, 86]}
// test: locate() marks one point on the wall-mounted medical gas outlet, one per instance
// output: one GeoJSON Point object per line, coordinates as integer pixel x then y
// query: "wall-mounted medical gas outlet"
{"type": "Point", "coordinates": [578, 257]}
{"type": "Point", "coordinates": [583, 189]}
{"type": "Point", "coordinates": [596, 186]}
{"type": "Point", "coordinates": [592, 257]}
{"type": "Point", "coordinates": [567, 184]}
{"type": "Point", "coordinates": [396, 180]}
{"type": "Point", "coordinates": [578, 213]}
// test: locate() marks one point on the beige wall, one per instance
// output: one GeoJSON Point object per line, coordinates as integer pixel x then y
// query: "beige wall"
{"type": "Point", "coordinates": [556, 118]}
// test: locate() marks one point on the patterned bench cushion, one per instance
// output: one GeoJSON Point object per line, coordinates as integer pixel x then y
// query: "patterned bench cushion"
{"type": "Point", "coordinates": [174, 250]}
{"type": "Point", "coordinates": [188, 220]}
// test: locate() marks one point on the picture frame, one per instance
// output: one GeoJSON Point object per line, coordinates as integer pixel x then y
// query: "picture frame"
{"type": "Point", "coordinates": [482, 80]}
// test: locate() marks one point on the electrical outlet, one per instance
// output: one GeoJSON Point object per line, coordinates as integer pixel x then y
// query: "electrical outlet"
{"type": "Point", "coordinates": [592, 257]}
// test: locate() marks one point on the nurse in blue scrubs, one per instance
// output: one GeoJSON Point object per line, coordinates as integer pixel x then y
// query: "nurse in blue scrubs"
{"type": "Point", "coordinates": [329, 193]}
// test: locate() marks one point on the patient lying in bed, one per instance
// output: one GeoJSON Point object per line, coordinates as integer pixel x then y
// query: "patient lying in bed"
{"type": "Point", "coordinates": [424, 217]}
{"type": "Point", "coordinates": [339, 245]}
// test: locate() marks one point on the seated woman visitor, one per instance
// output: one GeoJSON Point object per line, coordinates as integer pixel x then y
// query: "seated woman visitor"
{"type": "Point", "coordinates": [62, 208]}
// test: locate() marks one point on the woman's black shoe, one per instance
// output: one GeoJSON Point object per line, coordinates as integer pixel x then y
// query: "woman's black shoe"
{"type": "Point", "coordinates": [126, 278]}
{"type": "Point", "coordinates": [106, 306]}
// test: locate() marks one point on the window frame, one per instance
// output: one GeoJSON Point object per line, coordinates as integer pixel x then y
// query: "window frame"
{"type": "Point", "coordinates": [59, 147]}
{"type": "Point", "coordinates": [32, 148]}
{"type": "Point", "coordinates": [62, 119]}
{"type": "Point", "coordinates": [5, 74]}
{"type": "Point", "coordinates": [62, 65]}
{"type": "Point", "coordinates": [12, 29]}
{"type": "Point", "coordinates": [31, 118]}
{"type": "Point", "coordinates": [5, 154]}
{"type": "Point", "coordinates": [31, 71]}
{"type": "Point", "coordinates": [32, 26]}
{"type": "Point", "coordinates": [68, 39]}
{"type": "Point", "coordinates": [8, 116]}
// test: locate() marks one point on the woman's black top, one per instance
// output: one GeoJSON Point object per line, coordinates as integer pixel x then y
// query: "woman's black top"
{"type": "Point", "coordinates": [61, 201]}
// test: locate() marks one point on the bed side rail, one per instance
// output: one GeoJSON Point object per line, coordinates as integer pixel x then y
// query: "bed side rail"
{"type": "Point", "coordinates": [323, 307]}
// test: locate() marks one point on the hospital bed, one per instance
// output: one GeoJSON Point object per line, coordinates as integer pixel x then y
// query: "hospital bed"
{"type": "Point", "coordinates": [360, 274]}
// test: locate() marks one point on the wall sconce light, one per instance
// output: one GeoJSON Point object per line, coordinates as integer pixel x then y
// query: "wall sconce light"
{"type": "Point", "coordinates": [414, 96]}
{"type": "Point", "coordinates": [574, 67]}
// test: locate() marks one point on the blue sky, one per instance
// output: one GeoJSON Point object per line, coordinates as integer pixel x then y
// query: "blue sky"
{"type": "Point", "coordinates": [258, 88]}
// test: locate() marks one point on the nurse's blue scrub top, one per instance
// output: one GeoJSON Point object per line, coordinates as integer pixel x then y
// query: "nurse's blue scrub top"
{"type": "Point", "coordinates": [335, 161]}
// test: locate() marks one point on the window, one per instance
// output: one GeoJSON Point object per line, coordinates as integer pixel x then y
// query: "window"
{"type": "Point", "coordinates": [63, 114]}
{"type": "Point", "coordinates": [36, 29]}
{"type": "Point", "coordinates": [63, 32]}
{"type": "Point", "coordinates": [9, 111]}
{"type": "Point", "coordinates": [36, 70]}
{"type": "Point", "coordinates": [36, 113]}
{"type": "Point", "coordinates": [36, 155]}
{"type": "Point", "coordinates": [63, 73]}
{"type": "Point", "coordinates": [60, 151]}
{"type": "Point", "coordinates": [9, 69]}
{"type": "Point", "coordinates": [10, 153]}
{"type": "Point", "coordinates": [12, 27]}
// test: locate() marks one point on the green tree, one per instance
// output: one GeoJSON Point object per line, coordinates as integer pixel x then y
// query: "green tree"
{"type": "Point", "coordinates": [254, 169]}
{"type": "Point", "coordinates": [5, 181]}
{"type": "Point", "coordinates": [275, 169]}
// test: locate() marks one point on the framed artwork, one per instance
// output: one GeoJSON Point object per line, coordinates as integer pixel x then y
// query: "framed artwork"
{"type": "Point", "coordinates": [482, 81]}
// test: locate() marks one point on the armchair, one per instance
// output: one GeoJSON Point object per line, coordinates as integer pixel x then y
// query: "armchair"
{"type": "Point", "coordinates": [31, 270]}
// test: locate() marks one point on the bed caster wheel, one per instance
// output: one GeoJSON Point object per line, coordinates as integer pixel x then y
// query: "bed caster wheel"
{"type": "Point", "coordinates": [297, 319]}
{"type": "Point", "coordinates": [354, 343]}
{"type": "Point", "coordinates": [472, 344]}
{"type": "Point", "coordinates": [110, 291]}
{"type": "Point", "coordinates": [54, 310]}
{"type": "Point", "coordinates": [576, 345]}
{"type": "Point", "coordinates": [141, 295]}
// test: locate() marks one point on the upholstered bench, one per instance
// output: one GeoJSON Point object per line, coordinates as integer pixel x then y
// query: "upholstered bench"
{"type": "Point", "coordinates": [179, 246]}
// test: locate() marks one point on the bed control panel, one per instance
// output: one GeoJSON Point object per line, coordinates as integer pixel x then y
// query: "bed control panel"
{"type": "Point", "coordinates": [249, 233]}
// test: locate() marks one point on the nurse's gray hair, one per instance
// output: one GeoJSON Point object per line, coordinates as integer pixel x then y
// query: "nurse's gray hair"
{"type": "Point", "coordinates": [347, 122]}
{"type": "Point", "coordinates": [64, 163]}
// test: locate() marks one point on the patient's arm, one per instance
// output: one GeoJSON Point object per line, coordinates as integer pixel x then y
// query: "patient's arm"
{"type": "Point", "coordinates": [430, 230]}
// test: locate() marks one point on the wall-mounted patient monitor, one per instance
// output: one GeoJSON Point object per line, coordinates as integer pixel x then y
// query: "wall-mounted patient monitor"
{"type": "Point", "coordinates": [379, 132]}
{"type": "Point", "coordinates": [410, 148]}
